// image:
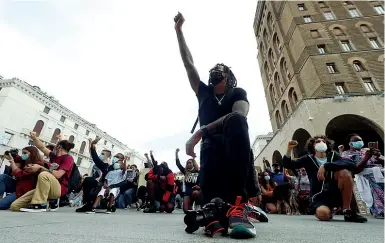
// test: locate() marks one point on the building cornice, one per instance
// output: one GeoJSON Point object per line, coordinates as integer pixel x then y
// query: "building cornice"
{"type": "Point", "coordinates": [36, 93]}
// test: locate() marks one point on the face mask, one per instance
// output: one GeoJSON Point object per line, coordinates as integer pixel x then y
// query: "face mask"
{"type": "Point", "coordinates": [358, 144]}
{"type": "Point", "coordinates": [321, 147]}
{"type": "Point", "coordinates": [114, 160]}
{"type": "Point", "coordinates": [191, 169]}
{"type": "Point", "coordinates": [24, 156]}
{"type": "Point", "coordinates": [267, 178]}
{"type": "Point", "coordinates": [215, 77]}
{"type": "Point", "coordinates": [101, 157]}
{"type": "Point", "coordinates": [116, 166]}
{"type": "Point", "coordinates": [322, 161]}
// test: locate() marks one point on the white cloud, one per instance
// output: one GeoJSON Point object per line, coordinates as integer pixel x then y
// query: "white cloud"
{"type": "Point", "coordinates": [118, 64]}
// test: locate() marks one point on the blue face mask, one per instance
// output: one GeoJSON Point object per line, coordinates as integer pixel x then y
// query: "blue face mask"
{"type": "Point", "coordinates": [322, 161]}
{"type": "Point", "coordinates": [358, 144]}
{"type": "Point", "coordinates": [116, 166]}
{"type": "Point", "coordinates": [101, 157]}
{"type": "Point", "coordinates": [24, 156]}
{"type": "Point", "coordinates": [114, 160]}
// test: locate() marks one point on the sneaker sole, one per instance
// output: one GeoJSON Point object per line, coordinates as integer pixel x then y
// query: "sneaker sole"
{"type": "Point", "coordinates": [33, 210]}
{"type": "Point", "coordinates": [242, 232]}
{"type": "Point", "coordinates": [90, 212]}
{"type": "Point", "coordinates": [108, 212]}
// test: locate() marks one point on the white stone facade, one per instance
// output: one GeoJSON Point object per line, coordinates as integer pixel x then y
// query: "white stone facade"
{"type": "Point", "coordinates": [320, 116]}
{"type": "Point", "coordinates": [260, 143]}
{"type": "Point", "coordinates": [23, 105]}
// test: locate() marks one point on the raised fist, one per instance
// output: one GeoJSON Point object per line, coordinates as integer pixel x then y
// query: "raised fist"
{"type": "Point", "coordinates": [177, 150]}
{"type": "Point", "coordinates": [179, 20]}
{"type": "Point", "coordinates": [33, 135]}
{"type": "Point", "coordinates": [292, 144]}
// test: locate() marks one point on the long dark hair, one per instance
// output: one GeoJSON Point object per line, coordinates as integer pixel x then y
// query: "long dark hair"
{"type": "Point", "coordinates": [33, 158]}
{"type": "Point", "coordinates": [264, 183]}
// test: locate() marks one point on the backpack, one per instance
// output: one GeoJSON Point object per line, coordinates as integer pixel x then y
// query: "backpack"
{"type": "Point", "coordinates": [74, 182]}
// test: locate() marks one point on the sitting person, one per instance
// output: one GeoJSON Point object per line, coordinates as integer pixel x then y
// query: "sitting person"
{"type": "Point", "coordinates": [91, 187]}
{"type": "Point", "coordinates": [160, 188]}
{"type": "Point", "coordinates": [24, 182]}
{"type": "Point", "coordinates": [370, 180]}
{"type": "Point", "coordinates": [267, 187]}
{"type": "Point", "coordinates": [52, 183]}
{"type": "Point", "coordinates": [76, 197]}
{"type": "Point", "coordinates": [113, 177]}
{"type": "Point", "coordinates": [128, 189]}
{"type": "Point", "coordinates": [328, 188]}
{"type": "Point", "coordinates": [191, 182]}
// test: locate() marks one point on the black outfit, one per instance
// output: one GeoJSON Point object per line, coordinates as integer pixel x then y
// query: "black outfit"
{"type": "Point", "coordinates": [91, 187]}
{"type": "Point", "coordinates": [191, 179]}
{"type": "Point", "coordinates": [226, 167]}
{"type": "Point", "coordinates": [325, 192]}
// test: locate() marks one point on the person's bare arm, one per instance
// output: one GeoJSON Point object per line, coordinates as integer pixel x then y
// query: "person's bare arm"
{"type": "Point", "coordinates": [240, 107]}
{"type": "Point", "coordinates": [185, 53]}
{"type": "Point", "coordinates": [39, 144]}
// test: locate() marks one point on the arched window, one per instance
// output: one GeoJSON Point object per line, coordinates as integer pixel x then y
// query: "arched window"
{"type": "Point", "coordinates": [364, 28]}
{"type": "Point", "coordinates": [261, 48]}
{"type": "Point", "coordinates": [71, 138]}
{"type": "Point", "coordinates": [82, 147]}
{"type": "Point", "coordinates": [269, 22]}
{"type": "Point", "coordinates": [271, 59]}
{"type": "Point", "coordinates": [285, 109]}
{"type": "Point", "coordinates": [56, 133]}
{"type": "Point", "coordinates": [285, 71]}
{"type": "Point", "coordinates": [358, 67]}
{"type": "Point", "coordinates": [278, 119]}
{"type": "Point", "coordinates": [38, 127]}
{"type": "Point", "coordinates": [337, 31]}
{"type": "Point", "coordinates": [272, 94]}
{"type": "Point", "coordinates": [277, 43]}
{"type": "Point", "coordinates": [265, 38]}
{"type": "Point", "coordinates": [293, 99]}
{"type": "Point", "coordinates": [278, 84]}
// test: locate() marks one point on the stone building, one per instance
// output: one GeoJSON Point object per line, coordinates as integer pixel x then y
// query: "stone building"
{"type": "Point", "coordinates": [25, 108]}
{"type": "Point", "coordinates": [322, 67]}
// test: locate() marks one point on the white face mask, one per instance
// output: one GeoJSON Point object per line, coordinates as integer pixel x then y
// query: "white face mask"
{"type": "Point", "coordinates": [321, 147]}
{"type": "Point", "coordinates": [267, 178]}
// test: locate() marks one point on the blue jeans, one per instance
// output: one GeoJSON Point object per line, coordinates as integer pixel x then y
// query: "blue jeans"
{"type": "Point", "coordinates": [6, 202]}
{"type": "Point", "coordinates": [7, 184]}
{"type": "Point", "coordinates": [125, 199]}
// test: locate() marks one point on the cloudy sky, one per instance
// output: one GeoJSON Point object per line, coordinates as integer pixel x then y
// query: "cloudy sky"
{"type": "Point", "coordinates": [117, 63]}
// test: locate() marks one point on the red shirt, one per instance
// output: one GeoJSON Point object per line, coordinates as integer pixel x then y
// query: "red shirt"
{"type": "Point", "coordinates": [168, 186]}
{"type": "Point", "coordinates": [25, 181]}
{"type": "Point", "coordinates": [65, 164]}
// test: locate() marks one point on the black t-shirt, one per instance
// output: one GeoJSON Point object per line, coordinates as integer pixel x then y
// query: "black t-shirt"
{"type": "Point", "coordinates": [191, 179]}
{"type": "Point", "coordinates": [210, 110]}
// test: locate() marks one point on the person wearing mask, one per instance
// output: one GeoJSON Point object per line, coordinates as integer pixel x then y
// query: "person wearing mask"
{"type": "Point", "coordinates": [94, 171]}
{"type": "Point", "coordinates": [113, 177]}
{"type": "Point", "coordinates": [52, 183]}
{"type": "Point", "coordinates": [91, 187]}
{"type": "Point", "coordinates": [225, 147]}
{"type": "Point", "coordinates": [329, 188]}
{"type": "Point", "coordinates": [267, 187]}
{"type": "Point", "coordinates": [160, 188]}
{"type": "Point", "coordinates": [192, 190]}
{"type": "Point", "coordinates": [370, 179]}
{"type": "Point", "coordinates": [128, 189]}
{"type": "Point", "coordinates": [24, 182]}
{"type": "Point", "coordinates": [277, 175]}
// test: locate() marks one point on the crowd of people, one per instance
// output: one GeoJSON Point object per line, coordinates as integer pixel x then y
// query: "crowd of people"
{"type": "Point", "coordinates": [224, 194]}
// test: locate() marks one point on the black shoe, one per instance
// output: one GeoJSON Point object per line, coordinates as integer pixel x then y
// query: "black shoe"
{"type": "Point", "coordinates": [83, 209]}
{"type": "Point", "coordinates": [351, 216]}
{"type": "Point", "coordinates": [109, 211]}
{"type": "Point", "coordinates": [150, 210]}
{"type": "Point", "coordinates": [91, 211]}
{"type": "Point", "coordinates": [54, 205]}
{"type": "Point", "coordinates": [34, 208]}
{"type": "Point", "coordinates": [113, 208]}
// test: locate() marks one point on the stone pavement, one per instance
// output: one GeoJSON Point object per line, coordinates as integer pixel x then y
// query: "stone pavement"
{"type": "Point", "coordinates": [132, 226]}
